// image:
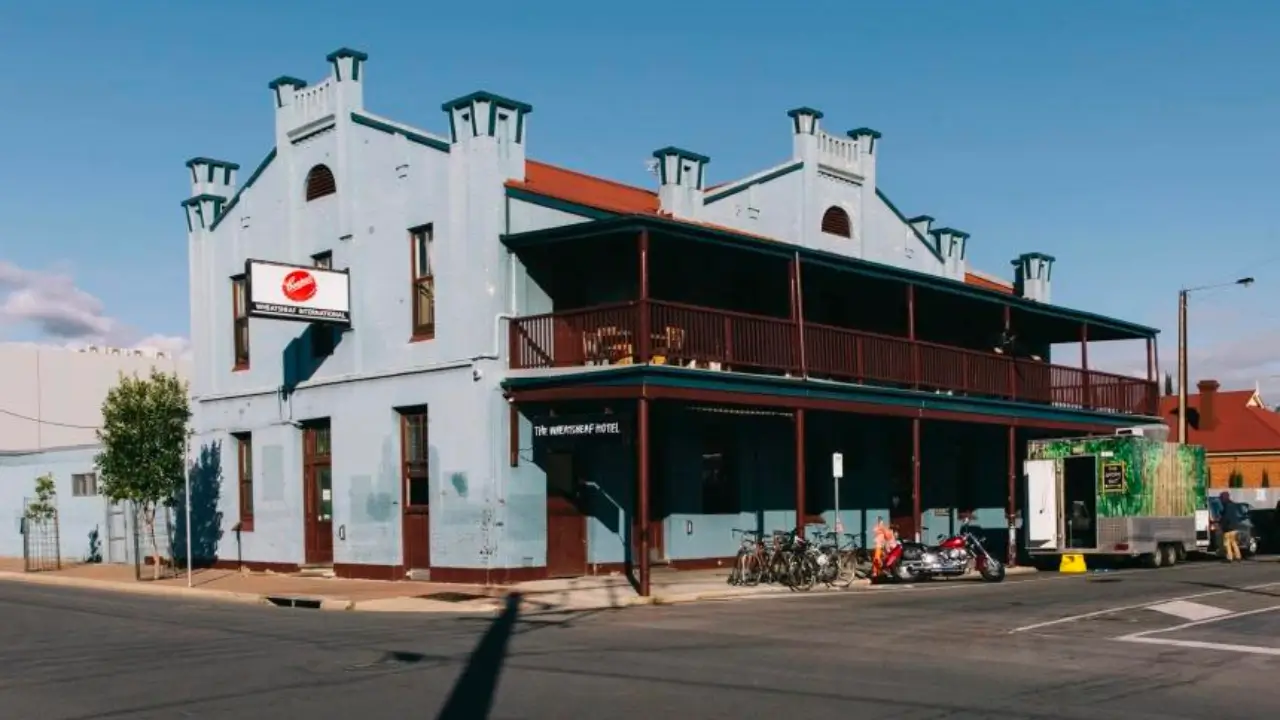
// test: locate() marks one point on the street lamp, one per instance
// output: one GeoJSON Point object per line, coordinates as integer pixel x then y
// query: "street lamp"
{"type": "Point", "coordinates": [1182, 348]}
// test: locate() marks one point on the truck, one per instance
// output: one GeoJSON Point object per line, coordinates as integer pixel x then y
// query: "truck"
{"type": "Point", "coordinates": [1128, 495]}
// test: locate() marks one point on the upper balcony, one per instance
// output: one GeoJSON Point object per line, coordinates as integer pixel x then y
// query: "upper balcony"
{"type": "Point", "coordinates": [784, 312]}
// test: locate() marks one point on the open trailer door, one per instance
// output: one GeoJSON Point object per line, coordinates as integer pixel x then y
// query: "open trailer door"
{"type": "Point", "coordinates": [1042, 504]}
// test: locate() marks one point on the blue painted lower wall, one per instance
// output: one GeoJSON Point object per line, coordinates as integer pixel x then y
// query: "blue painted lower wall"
{"type": "Point", "coordinates": [487, 514]}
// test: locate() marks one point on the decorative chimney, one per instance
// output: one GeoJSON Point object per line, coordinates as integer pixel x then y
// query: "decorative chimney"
{"type": "Point", "coordinates": [484, 122]}
{"type": "Point", "coordinates": [804, 129]}
{"type": "Point", "coordinates": [1208, 401]}
{"type": "Point", "coordinates": [1032, 273]}
{"type": "Point", "coordinates": [682, 176]}
{"type": "Point", "coordinates": [213, 182]}
{"type": "Point", "coordinates": [952, 245]}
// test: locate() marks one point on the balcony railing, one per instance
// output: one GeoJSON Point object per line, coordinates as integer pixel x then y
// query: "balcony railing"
{"type": "Point", "coordinates": [688, 336]}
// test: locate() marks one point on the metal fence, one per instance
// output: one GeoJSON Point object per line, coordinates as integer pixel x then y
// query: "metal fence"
{"type": "Point", "coordinates": [41, 545]}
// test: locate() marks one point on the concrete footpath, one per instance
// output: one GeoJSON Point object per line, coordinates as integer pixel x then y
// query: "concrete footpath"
{"type": "Point", "coordinates": [539, 597]}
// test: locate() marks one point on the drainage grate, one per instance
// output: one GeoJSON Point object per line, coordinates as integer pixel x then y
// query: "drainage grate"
{"type": "Point", "coordinates": [293, 602]}
{"type": "Point", "coordinates": [452, 597]}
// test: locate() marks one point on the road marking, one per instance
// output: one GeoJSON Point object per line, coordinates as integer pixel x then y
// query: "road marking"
{"type": "Point", "coordinates": [1189, 610]}
{"type": "Point", "coordinates": [1197, 645]}
{"type": "Point", "coordinates": [1144, 637]}
{"type": "Point", "coordinates": [1139, 606]}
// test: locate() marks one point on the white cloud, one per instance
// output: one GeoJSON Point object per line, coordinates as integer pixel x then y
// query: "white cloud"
{"type": "Point", "coordinates": [62, 313]}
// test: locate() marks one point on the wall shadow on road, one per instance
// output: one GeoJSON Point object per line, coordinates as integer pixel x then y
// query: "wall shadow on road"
{"type": "Point", "coordinates": [474, 692]}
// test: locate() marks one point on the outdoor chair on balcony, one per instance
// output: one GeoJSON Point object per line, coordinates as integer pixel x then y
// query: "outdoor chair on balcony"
{"type": "Point", "coordinates": [668, 346]}
{"type": "Point", "coordinates": [615, 346]}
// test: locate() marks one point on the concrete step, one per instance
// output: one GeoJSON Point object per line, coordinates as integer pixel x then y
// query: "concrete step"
{"type": "Point", "coordinates": [325, 571]}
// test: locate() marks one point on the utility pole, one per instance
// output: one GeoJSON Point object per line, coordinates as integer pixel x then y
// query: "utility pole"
{"type": "Point", "coordinates": [1182, 349]}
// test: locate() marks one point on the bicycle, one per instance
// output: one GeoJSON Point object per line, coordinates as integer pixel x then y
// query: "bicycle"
{"type": "Point", "coordinates": [749, 565]}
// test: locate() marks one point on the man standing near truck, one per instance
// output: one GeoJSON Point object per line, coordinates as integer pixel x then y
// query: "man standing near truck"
{"type": "Point", "coordinates": [1229, 523]}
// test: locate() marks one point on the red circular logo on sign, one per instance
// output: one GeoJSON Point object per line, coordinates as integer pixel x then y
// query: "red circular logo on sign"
{"type": "Point", "coordinates": [299, 286]}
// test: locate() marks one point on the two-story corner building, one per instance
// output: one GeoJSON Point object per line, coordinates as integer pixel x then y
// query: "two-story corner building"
{"type": "Point", "coordinates": [552, 374]}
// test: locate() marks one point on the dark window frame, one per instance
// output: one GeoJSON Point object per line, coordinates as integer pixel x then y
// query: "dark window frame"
{"type": "Point", "coordinates": [240, 322]}
{"type": "Point", "coordinates": [836, 221]}
{"type": "Point", "coordinates": [244, 478]}
{"type": "Point", "coordinates": [422, 274]}
{"type": "Point", "coordinates": [320, 182]}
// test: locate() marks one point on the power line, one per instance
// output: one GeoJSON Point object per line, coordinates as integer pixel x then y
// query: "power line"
{"type": "Point", "coordinates": [20, 416]}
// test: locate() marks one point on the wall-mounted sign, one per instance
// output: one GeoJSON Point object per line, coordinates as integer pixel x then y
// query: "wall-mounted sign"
{"type": "Point", "coordinates": [298, 292]}
{"type": "Point", "coordinates": [837, 465]}
{"type": "Point", "coordinates": [573, 429]}
{"type": "Point", "coordinates": [1113, 480]}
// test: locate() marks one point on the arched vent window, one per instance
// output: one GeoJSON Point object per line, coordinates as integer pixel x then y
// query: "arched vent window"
{"type": "Point", "coordinates": [836, 222]}
{"type": "Point", "coordinates": [320, 182]}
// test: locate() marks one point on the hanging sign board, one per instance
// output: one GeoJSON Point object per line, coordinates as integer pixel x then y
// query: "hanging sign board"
{"type": "Point", "coordinates": [1113, 478]}
{"type": "Point", "coordinates": [570, 430]}
{"type": "Point", "coordinates": [298, 292]}
{"type": "Point", "coordinates": [837, 465]}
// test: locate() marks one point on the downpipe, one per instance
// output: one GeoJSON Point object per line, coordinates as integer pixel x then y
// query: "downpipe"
{"type": "Point", "coordinates": [496, 354]}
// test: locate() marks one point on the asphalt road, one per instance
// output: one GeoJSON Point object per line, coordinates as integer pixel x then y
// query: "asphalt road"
{"type": "Point", "coordinates": [1050, 647]}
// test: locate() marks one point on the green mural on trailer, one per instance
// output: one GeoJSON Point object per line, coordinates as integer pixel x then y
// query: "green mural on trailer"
{"type": "Point", "coordinates": [1137, 476]}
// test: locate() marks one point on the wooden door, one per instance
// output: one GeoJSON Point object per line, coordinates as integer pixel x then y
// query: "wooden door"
{"type": "Point", "coordinates": [317, 474]}
{"type": "Point", "coordinates": [566, 519]}
{"type": "Point", "coordinates": [415, 526]}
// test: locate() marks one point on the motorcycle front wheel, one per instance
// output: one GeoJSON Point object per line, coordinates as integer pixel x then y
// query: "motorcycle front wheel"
{"type": "Point", "coordinates": [992, 571]}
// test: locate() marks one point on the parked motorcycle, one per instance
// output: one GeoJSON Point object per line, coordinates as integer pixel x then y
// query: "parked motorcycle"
{"type": "Point", "coordinates": [951, 557]}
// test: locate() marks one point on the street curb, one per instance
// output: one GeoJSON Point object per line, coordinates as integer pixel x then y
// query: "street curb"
{"type": "Point", "coordinates": [133, 588]}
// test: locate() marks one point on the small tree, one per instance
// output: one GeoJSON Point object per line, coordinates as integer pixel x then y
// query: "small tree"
{"type": "Point", "coordinates": [144, 435]}
{"type": "Point", "coordinates": [1266, 479]}
{"type": "Point", "coordinates": [45, 506]}
{"type": "Point", "coordinates": [1235, 479]}
{"type": "Point", "coordinates": [1168, 384]}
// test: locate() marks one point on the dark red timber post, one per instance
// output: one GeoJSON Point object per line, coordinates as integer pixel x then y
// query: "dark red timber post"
{"type": "Point", "coordinates": [1087, 401]}
{"type": "Point", "coordinates": [1013, 497]}
{"type": "Point", "coordinates": [800, 493]}
{"type": "Point", "coordinates": [642, 481]}
{"type": "Point", "coordinates": [915, 475]}
{"type": "Point", "coordinates": [911, 335]}
{"type": "Point", "coordinates": [797, 312]}
{"type": "Point", "coordinates": [1008, 346]}
{"type": "Point", "coordinates": [645, 339]}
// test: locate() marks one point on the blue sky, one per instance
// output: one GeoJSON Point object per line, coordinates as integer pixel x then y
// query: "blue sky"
{"type": "Point", "coordinates": [1134, 141]}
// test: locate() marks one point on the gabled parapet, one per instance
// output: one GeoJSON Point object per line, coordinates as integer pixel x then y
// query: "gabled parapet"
{"type": "Point", "coordinates": [952, 246]}
{"type": "Point", "coordinates": [681, 178]}
{"type": "Point", "coordinates": [483, 120]}
{"type": "Point", "coordinates": [1032, 274]}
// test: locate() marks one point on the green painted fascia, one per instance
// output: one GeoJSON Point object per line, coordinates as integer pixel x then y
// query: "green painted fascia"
{"type": "Point", "coordinates": [235, 199]}
{"type": "Point", "coordinates": [780, 172]}
{"type": "Point", "coordinates": [950, 231]}
{"type": "Point", "coordinates": [409, 135]}
{"type": "Point", "coordinates": [932, 250]}
{"type": "Point", "coordinates": [668, 376]}
{"type": "Point", "coordinates": [287, 81]}
{"type": "Point", "coordinates": [346, 53]}
{"type": "Point", "coordinates": [680, 153]}
{"type": "Point", "coordinates": [921, 218]}
{"type": "Point", "coordinates": [617, 223]}
{"type": "Point", "coordinates": [212, 163]}
{"type": "Point", "coordinates": [561, 205]}
{"type": "Point", "coordinates": [1037, 256]}
{"type": "Point", "coordinates": [797, 112]}
{"type": "Point", "coordinates": [485, 96]}
{"type": "Point", "coordinates": [865, 132]}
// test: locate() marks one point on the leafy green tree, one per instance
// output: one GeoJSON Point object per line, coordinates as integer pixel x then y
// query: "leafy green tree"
{"type": "Point", "coordinates": [45, 505]}
{"type": "Point", "coordinates": [144, 436]}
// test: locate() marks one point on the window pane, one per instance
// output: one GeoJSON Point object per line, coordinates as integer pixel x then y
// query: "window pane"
{"type": "Point", "coordinates": [424, 309]}
{"type": "Point", "coordinates": [415, 437]}
{"type": "Point", "coordinates": [419, 491]}
{"type": "Point", "coordinates": [324, 490]}
{"type": "Point", "coordinates": [422, 253]}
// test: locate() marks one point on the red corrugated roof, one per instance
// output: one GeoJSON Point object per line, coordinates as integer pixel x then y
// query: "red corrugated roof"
{"type": "Point", "coordinates": [588, 190]}
{"type": "Point", "coordinates": [1239, 428]}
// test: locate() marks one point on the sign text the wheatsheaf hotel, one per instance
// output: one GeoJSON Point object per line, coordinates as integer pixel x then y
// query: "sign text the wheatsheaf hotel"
{"type": "Point", "coordinates": [579, 429]}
